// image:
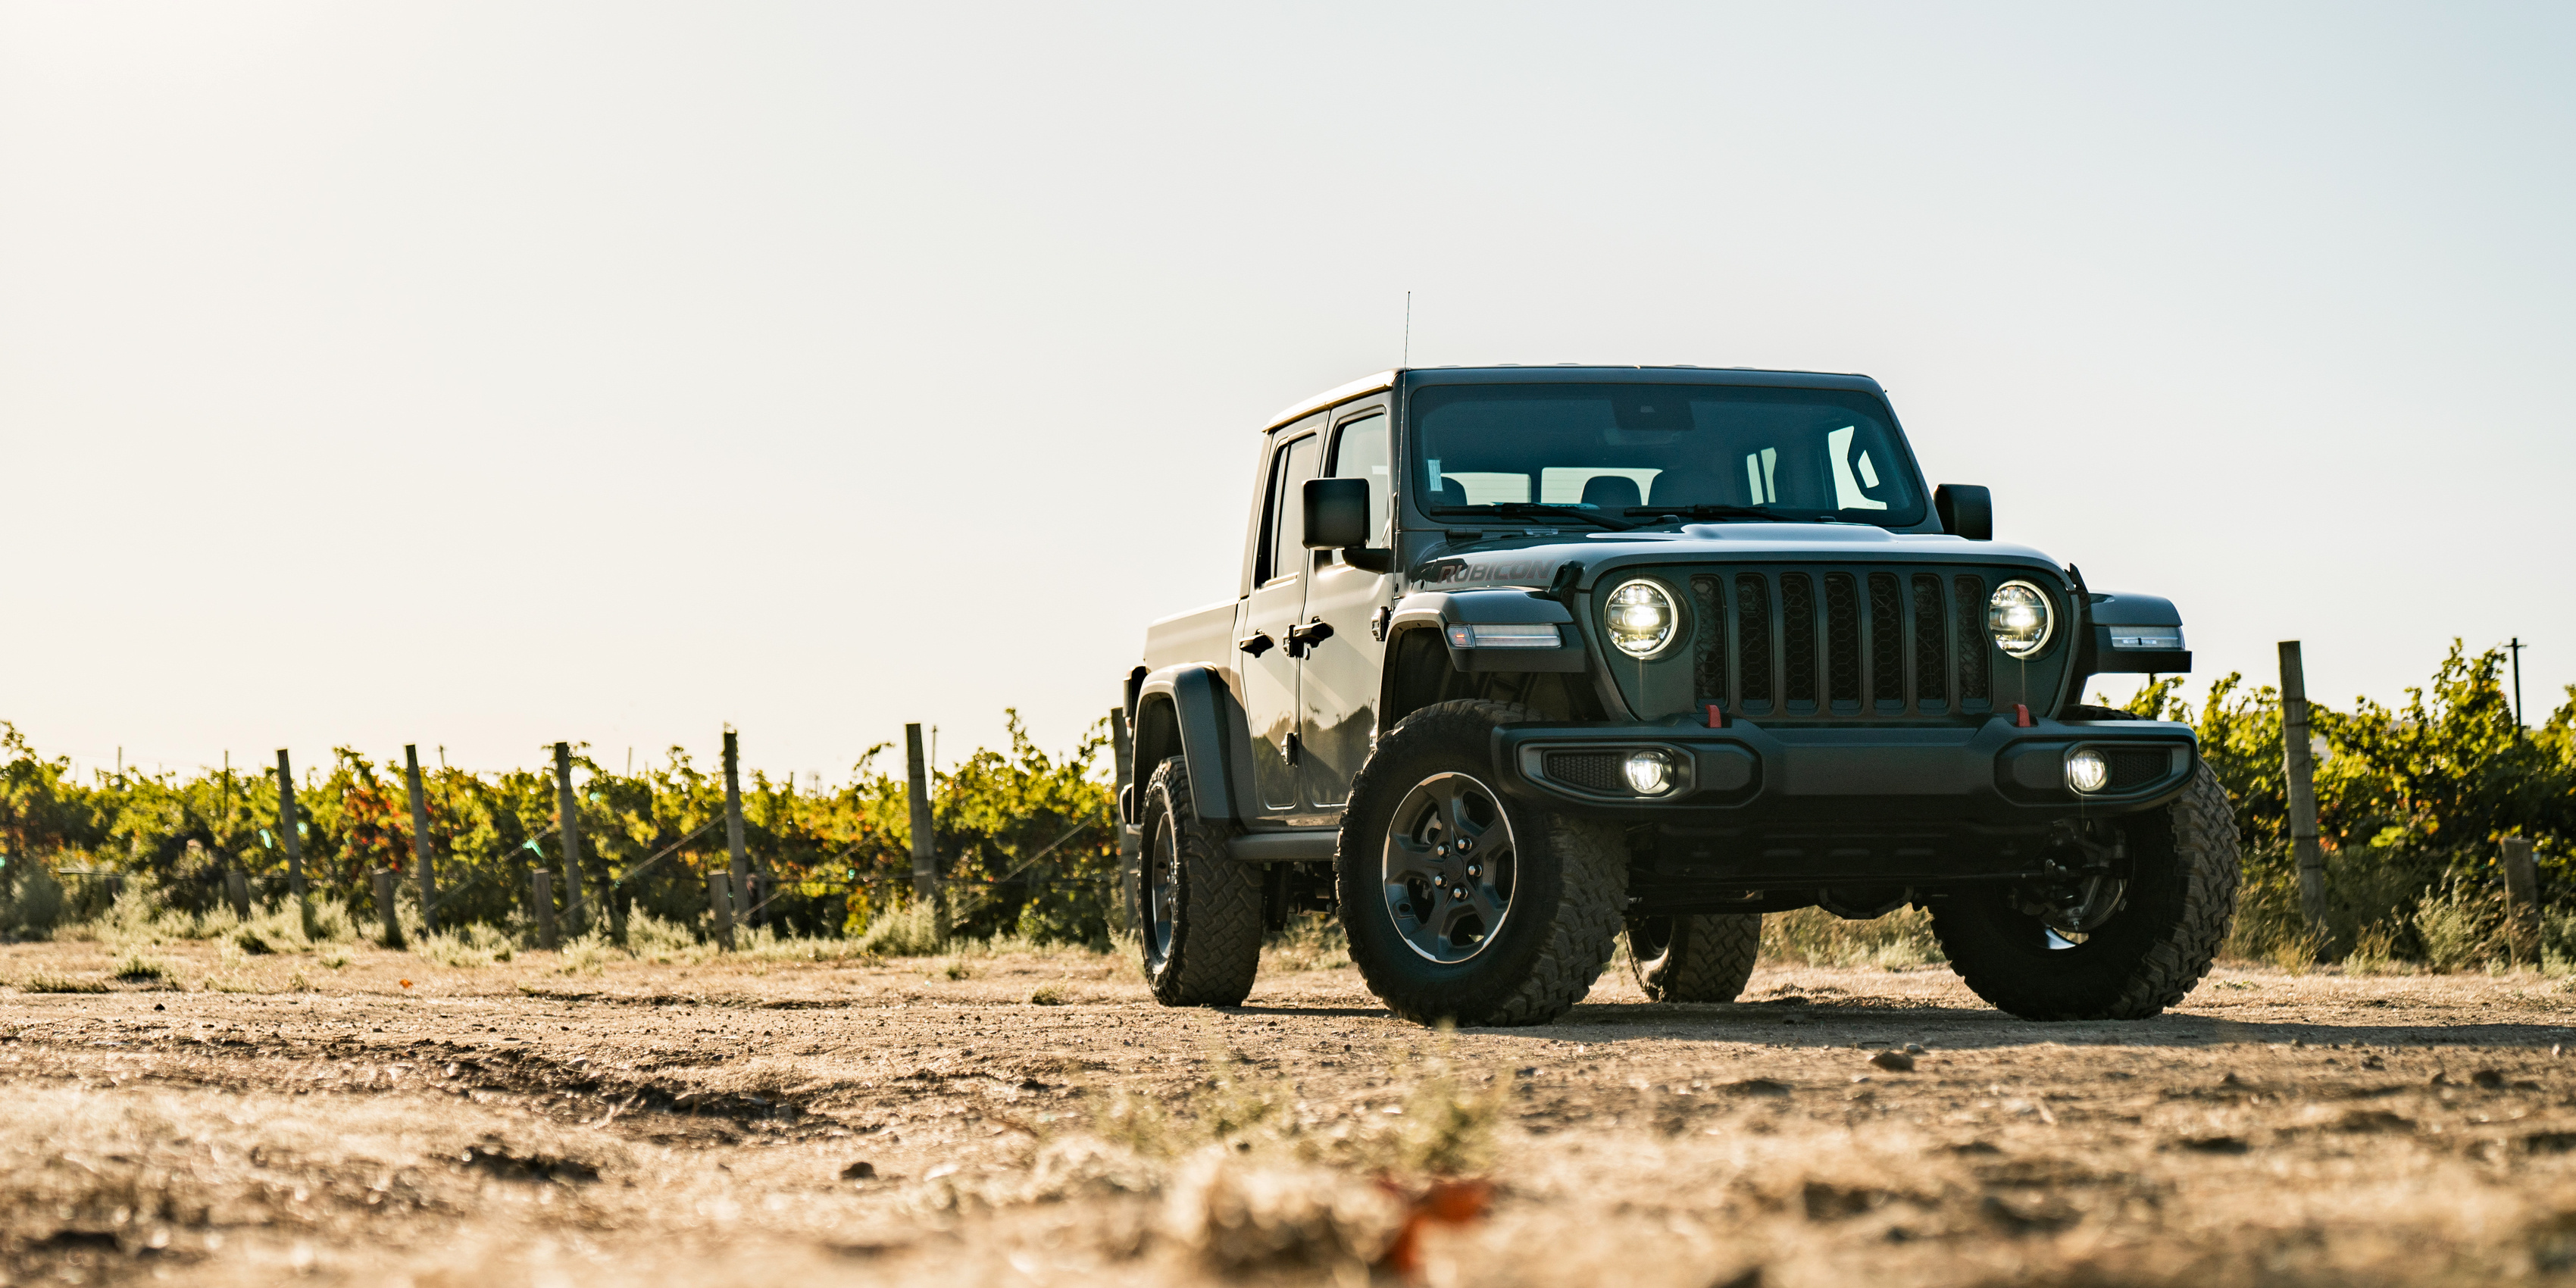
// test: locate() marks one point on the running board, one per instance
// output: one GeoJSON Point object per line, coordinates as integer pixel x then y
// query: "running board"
{"type": "Point", "coordinates": [1304, 845]}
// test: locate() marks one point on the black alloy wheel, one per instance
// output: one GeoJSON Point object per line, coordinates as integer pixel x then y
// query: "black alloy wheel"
{"type": "Point", "coordinates": [1461, 903]}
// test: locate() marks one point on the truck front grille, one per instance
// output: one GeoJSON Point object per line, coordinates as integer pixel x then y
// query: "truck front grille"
{"type": "Point", "coordinates": [1868, 642]}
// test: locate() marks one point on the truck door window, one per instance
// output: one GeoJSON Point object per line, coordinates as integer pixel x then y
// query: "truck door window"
{"type": "Point", "coordinates": [1285, 552]}
{"type": "Point", "coordinates": [1361, 453]}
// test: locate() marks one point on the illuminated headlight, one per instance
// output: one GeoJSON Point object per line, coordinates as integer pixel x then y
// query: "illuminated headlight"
{"type": "Point", "coordinates": [1650, 773]}
{"type": "Point", "coordinates": [1640, 619]}
{"type": "Point", "coordinates": [2086, 771]}
{"type": "Point", "coordinates": [2019, 618]}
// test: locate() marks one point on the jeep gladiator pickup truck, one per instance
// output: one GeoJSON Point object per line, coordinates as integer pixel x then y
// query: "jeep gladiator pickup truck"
{"type": "Point", "coordinates": [1523, 659]}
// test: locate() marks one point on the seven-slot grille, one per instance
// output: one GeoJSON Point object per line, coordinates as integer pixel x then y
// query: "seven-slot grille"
{"type": "Point", "coordinates": [1835, 642]}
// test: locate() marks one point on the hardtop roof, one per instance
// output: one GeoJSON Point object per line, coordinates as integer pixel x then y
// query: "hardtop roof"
{"type": "Point", "coordinates": [1570, 373]}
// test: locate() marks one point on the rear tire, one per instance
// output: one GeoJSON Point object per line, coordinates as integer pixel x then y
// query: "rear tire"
{"type": "Point", "coordinates": [1513, 927]}
{"type": "Point", "coordinates": [1198, 908]}
{"type": "Point", "coordinates": [2179, 902]}
{"type": "Point", "coordinates": [1695, 957]}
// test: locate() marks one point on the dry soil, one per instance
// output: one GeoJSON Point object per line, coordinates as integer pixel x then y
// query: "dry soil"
{"type": "Point", "coordinates": [926, 1121]}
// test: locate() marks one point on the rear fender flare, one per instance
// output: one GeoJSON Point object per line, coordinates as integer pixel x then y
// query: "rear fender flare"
{"type": "Point", "coordinates": [1190, 711]}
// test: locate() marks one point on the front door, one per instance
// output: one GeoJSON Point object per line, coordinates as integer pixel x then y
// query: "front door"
{"type": "Point", "coordinates": [1338, 687]}
{"type": "Point", "coordinates": [1278, 598]}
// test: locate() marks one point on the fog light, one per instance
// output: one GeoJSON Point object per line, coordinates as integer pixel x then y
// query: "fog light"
{"type": "Point", "coordinates": [1650, 773]}
{"type": "Point", "coordinates": [2086, 771]}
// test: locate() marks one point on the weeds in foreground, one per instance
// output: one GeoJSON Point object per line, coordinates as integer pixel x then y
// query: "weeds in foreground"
{"type": "Point", "coordinates": [1311, 941]}
{"type": "Point", "coordinates": [139, 969]}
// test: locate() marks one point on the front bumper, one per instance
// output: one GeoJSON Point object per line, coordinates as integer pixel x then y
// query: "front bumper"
{"type": "Point", "coordinates": [1993, 772]}
{"type": "Point", "coordinates": [1898, 805]}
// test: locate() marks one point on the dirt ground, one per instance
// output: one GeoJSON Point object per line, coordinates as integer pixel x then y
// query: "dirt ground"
{"type": "Point", "coordinates": [925, 1121]}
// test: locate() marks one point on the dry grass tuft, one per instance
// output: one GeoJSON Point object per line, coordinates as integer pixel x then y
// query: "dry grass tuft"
{"type": "Point", "coordinates": [1901, 940]}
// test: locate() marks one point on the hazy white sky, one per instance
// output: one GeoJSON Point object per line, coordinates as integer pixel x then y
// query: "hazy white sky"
{"type": "Point", "coordinates": [483, 375]}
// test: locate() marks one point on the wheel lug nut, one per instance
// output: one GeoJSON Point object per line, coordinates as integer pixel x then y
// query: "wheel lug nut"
{"type": "Point", "coordinates": [1465, 845]}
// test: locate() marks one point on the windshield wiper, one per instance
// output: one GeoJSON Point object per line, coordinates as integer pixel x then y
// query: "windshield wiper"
{"type": "Point", "coordinates": [1536, 509]}
{"type": "Point", "coordinates": [1726, 512]}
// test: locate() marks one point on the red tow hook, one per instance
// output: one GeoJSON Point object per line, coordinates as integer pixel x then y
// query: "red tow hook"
{"type": "Point", "coordinates": [2021, 716]}
{"type": "Point", "coordinates": [1716, 717]}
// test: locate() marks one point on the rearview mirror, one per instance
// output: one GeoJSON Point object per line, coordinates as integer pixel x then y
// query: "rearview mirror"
{"type": "Point", "coordinates": [1337, 513]}
{"type": "Point", "coordinates": [1966, 510]}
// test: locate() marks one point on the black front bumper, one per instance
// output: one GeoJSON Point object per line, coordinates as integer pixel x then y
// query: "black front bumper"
{"type": "Point", "coordinates": [1824, 807]}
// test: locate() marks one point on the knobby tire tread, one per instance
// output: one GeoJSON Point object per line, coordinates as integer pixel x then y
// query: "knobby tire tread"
{"type": "Point", "coordinates": [1710, 958]}
{"type": "Point", "coordinates": [1216, 940]}
{"type": "Point", "coordinates": [2206, 852]}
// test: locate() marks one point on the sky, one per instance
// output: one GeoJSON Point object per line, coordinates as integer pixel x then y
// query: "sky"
{"type": "Point", "coordinates": [486, 375]}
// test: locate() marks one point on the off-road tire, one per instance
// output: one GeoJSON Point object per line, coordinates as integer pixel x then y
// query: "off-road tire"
{"type": "Point", "coordinates": [1215, 933]}
{"type": "Point", "coordinates": [1570, 884]}
{"type": "Point", "coordinates": [1695, 957]}
{"type": "Point", "coordinates": [2148, 956]}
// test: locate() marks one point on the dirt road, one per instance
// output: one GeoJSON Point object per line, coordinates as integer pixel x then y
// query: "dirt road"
{"type": "Point", "coordinates": [924, 1121]}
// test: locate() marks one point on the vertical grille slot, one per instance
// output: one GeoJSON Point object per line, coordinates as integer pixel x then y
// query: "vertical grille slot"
{"type": "Point", "coordinates": [1753, 634]}
{"type": "Point", "coordinates": [1886, 640]}
{"type": "Point", "coordinates": [1842, 640]}
{"type": "Point", "coordinates": [1709, 663]}
{"type": "Point", "coordinates": [1798, 638]}
{"type": "Point", "coordinates": [1931, 631]}
{"type": "Point", "coordinates": [1973, 646]}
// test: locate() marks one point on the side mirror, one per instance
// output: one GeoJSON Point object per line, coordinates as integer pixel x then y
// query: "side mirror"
{"type": "Point", "coordinates": [1966, 510]}
{"type": "Point", "coordinates": [1337, 513]}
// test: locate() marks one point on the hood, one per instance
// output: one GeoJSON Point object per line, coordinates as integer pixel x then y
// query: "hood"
{"type": "Point", "coordinates": [1534, 560]}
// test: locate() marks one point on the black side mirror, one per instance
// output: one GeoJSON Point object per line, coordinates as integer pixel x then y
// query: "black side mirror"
{"type": "Point", "coordinates": [1966, 510]}
{"type": "Point", "coordinates": [1337, 513]}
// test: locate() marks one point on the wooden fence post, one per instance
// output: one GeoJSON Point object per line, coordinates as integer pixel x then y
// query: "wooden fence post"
{"type": "Point", "coordinates": [1122, 748]}
{"type": "Point", "coordinates": [288, 836]}
{"type": "Point", "coordinates": [237, 890]}
{"type": "Point", "coordinates": [925, 861]}
{"type": "Point", "coordinates": [2298, 764]}
{"type": "Point", "coordinates": [2522, 895]}
{"type": "Point", "coordinates": [420, 852]}
{"type": "Point", "coordinates": [568, 809]}
{"type": "Point", "coordinates": [541, 895]}
{"type": "Point", "coordinates": [738, 865]}
{"type": "Point", "coordinates": [720, 903]}
{"type": "Point", "coordinates": [385, 884]}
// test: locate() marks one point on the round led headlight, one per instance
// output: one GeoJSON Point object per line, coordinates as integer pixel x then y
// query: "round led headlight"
{"type": "Point", "coordinates": [2086, 771]}
{"type": "Point", "coordinates": [2019, 618]}
{"type": "Point", "coordinates": [1640, 618]}
{"type": "Point", "coordinates": [1650, 773]}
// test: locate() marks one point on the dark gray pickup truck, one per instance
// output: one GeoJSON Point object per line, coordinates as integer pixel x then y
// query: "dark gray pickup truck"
{"type": "Point", "coordinates": [1526, 658]}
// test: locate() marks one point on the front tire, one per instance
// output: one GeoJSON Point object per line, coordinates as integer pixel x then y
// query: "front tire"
{"type": "Point", "coordinates": [1464, 905]}
{"type": "Point", "coordinates": [1698, 957]}
{"type": "Point", "coordinates": [2179, 900]}
{"type": "Point", "coordinates": [1198, 908]}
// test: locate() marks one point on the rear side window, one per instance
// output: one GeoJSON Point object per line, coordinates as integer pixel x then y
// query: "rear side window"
{"type": "Point", "coordinates": [1284, 522]}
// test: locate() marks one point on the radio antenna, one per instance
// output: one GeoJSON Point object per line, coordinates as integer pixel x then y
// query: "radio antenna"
{"type": "Point", "coordinates": [1407, 360]}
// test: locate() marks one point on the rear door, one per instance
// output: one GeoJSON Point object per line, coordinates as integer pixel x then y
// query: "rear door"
{"type": "Point", "coordinates": [1276, 603]}
{"type": "Point", "coordinates": [1339, 681]}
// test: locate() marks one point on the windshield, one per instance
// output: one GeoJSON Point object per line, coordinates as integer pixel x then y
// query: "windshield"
{"type": "Point", "coordinates": [1628, 453]}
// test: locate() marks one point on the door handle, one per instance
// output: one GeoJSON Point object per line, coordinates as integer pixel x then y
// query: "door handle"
{"type": "Point", "coordinates": [1258, 643]}
{"type": "Point", "coordinates": [1303, 639]}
